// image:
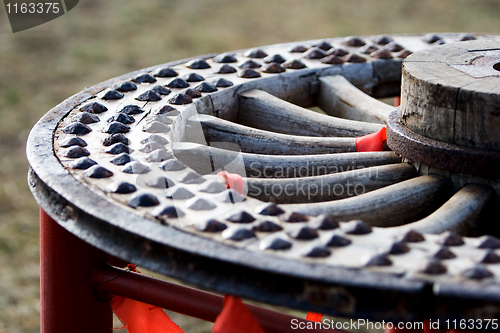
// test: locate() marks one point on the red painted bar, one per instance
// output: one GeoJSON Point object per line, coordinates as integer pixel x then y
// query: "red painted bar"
{"type": "Point", "coordinates": [67, 302]}
{"type": "Point", "coordinates": [184, 300]}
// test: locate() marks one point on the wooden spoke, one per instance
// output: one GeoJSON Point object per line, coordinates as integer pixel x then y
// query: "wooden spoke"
{"type": "Point", "coordinates": [207, 159]}
{"type": "Point", "coordinates": [329, 187]}
{"type": "Point", "coordinates": [338, 97]}
{"type": "Point", "coordinates": [252, 140]}
{"type": "Point", "coordinates": [460, 214]}
{"type": "Point", "coordinates": [259, 109]}
{"type": "Point", "coordinates": [393, 205]}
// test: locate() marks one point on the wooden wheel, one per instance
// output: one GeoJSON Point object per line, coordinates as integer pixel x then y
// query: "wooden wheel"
{"type": "Point", "coordinates": [136, 159]}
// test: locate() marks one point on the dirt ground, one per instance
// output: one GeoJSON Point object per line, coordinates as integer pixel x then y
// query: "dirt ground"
{"type": "Point", "coordinates": [98, 40]}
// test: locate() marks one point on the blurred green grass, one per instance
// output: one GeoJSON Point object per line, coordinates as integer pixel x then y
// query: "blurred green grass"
{"type": "Point", "coordinates": [98, 40]}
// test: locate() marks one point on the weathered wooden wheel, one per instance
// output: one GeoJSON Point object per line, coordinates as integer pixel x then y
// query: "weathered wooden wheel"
{"type": "Point", "coordinates": [130, 166]}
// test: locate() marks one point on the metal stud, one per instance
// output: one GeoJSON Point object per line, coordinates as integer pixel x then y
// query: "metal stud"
{"type": "Point", "coordinates": [172, 165]}
{"type": "Point", "coordinates": [131, 109]}
{"type": "Point", "coordinates": [180, 193]}
{"type": "Point", "coordinates": [145, 78]}
{"type": "Point", "coordinates": [118, 148]}
{"type": "Point", "coordinates": [197, 64]}
{"type": "Point", "coordinates": [86, 118]}
{"type": "Point", "coordinates": [164, 119]}
{"type": "Point", "coordinates": [122, 118]}
{"type": "Point", "coordinates": [381, 54]}
{"type": "Point", "coordinates": [225, 58]}
{"type": "Point", "coordinates": [379, 260]}
{"type": "Point", "coordinates": [444, 253]}
{"type": "Point", "coordinates": [323, 222]}
{"type": "Point", "coordinates": [267, 226]}
{"type": "Point", "coordinates": [295, 217]}
{"type": "Point", "coordinates": [431, 38]}
{"type": "Point", "coordinates": [230, 196]}
{"type": "Point", "coordinates": [491, 258]}
{"type": "Point", "coordinates": [450, 238]}
{"type": "Point", "coordinates": [76, 152]}
{"type": "Point", "coordinates": [121, 187]}
{"type": "Point", "coordinates": [200, 204]}
{"type": "Point", "coordinates": [403, 54]}
{"type": "Point", "coordinates": [256, 53]}
{"type": "Point", "coordinates": [193, 77]}
{"type": "Point", "coordinates": [241, 217]}
{"type": "Point", "coordinates": [160, 182]}
{"type": "Point", "coordinates": [115, 138]}
{"type": "Point", "coordinates": [151, 146]}
{"type": "Point", "coordinates": [237, 234]}
{"type": "Point", "coordinates": [168, 111]}
{"type": "Point", "coordinates": [489, 242]}
{"type": "Point", "coordinates": [477, 272]}
{"type": "Point", "coordinates": [82, 163]}
{"type": "Point", "coordinates": [269, 209]}
{"type": "Point", "coordinates": [192, 178]}
{"type": "Point", "coordinates": [382, 40]}
{"type": "Point", "coordinates": [213, 187]}
{"type": "Point", "coordinates": [338, 241]}
{"type": "Point", "coordinates": [273, 68]}
{"type": "Point", "coordinates": [250, 64]}
{"type": "Point", "coordinates": [97, 171]}
{"type": "Point", "coordinates": [294, 64]}
{"type": "Point", "coordinates": [155, 138]}
{"type": "Point", "coordinates": [180, 99]}
{"type": "Point", "coordinates": [127, 86]}
{"type": "Point", "coordinates": [77, 128]}
{"type": "Point", "coordinates": [275, 58]}
{"type": "Point", "coordinates": [354, 41]}
{"type": "Point", "coordinates": [324, 45]}
{"type": "Point", "coordinates": [434, 267]}
{"type": "Point", "coordinates": [393, 47]}
{"type": "Point", "coordinates": [192, 93]}
{"type": "Point", "coordinates": [298, 49]}
{"type": "Point", "coordinates": [135, 168]}
{"type": "Point", "coordinates": [413, 236]}
{"type": "Point", "coordinates": [465, 37]}
{"type": "Point", "coordinates": [155, 127]}
{"type": "Point", "coordinates": [315, 53]}
{"type": "Point", "coordinates": [206, 87]}
{"type": "Point", "coordinates": [318, 252]}
{"type": "Point", "coordinates": [112, 95]}
{"type": "Point", "coordinates": [166, 72]}
{"type": "Point", "coordinates": [178, 83]}
{"type": "Point", "coordinates": [122, 159]}
{"type": "Point", "coordinates": [356, 227]}
{"type": "Point", "coordinates": [142, 199]}
{"type": "Point", "coordinates": [149, 96]}
{"type": "Point", "coordinates": [74, 141]}
{"type": "Point", "coordinates": [161, 90]}
{"type": "Point", "coordinates": [225, 69]}
{"type": "Point", "coordinates": [399, 248]}
{"type": "Point", "coordinates": [116, 127]}
{"type": "Point", "coordinates": [94, 107]}
{"type": "Point", "coordinates": [332, 60]}
{"type": "Point", "coordinates": [340, 52]}
{"type": "Point", "coordinates": [159, 155]}
{"type": "Point", "coordinates": [367, 49]}
{"type": "Point", "coordinates": [211, 226]}
{"type": "Point", "coordinates": [276, 243]}
{"type": "Point", "coordinates": [302, 233]}
{"type": "Point", "coordinates": [354, 58]}
{"type": "Point", "coordinates": [169, 211]}
{"type": "Point", "coordinates": [222, 83]}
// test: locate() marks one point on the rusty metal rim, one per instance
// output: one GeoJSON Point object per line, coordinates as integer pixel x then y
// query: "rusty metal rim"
{"type": "Point", "coordinates": [441, 155]}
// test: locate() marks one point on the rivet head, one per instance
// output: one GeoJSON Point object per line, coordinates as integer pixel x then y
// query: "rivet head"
{"type": "Point", "coordinates": [122, 159]}
{"type": "Point", "coordinates": [180, 99]}
{"type": "Point", "coordinates": [354, 41]}
{"type": "Point", "coordinates": [94, 107]}
{"type": "Point", "coordinates": [491, 258]}
{"type": "Point", "coordinates": [294, 64]}
{"type": "Point", "coordinates": [444, 253]}
{"type": "Point", "coordinates": [379, 260]}
{"type": "Point", "coordinates": [178, 83]}
{"type": "Point", "coordinates": [298, 49]}
{"type": "Point", "coordinates": [213, 187]}
{"type": "Point", "coordinates": [323, 222]}
{"type": "Point", "coordinates": [199, 204]}
{"type": "Point", "coordinates": [126, 86]}
{"type": "Point", "coordinates": [382, 40]}
{"type": "Point", "coordinates": [489, 242]}
{"type": "Point", "coordinates": [237, 234]}
{"type": "Point", "coordinates": [82, 163]}
{"type": "Point", "coordinates": [275, 58]}
{"type": "Point", "coordinates": [276, 243]}
{"type": "Point", "coordinates": [413, 236]}
{"type": "Point", "coordinates": [241, 217]}
{"type": "Point", "coordinates": [173, 165]}
{"type": "Point", "coordinates": [193, 77]}
{"type": "Point", "coordinates": [340, 52]}
{"type": "Point", "coordinates": [356, 227]}
{"type": "Point", "coordinates": [393, 47]}
{"type": "Point", "coordinates": [225, 58]}
{"type": "Point", "coordinates": [77, 128]}
{"type": "Point", "coordinates": [115, 138]}
{"type": "Point", "coordinates": [465, 37]}
{"type": "Point", "coordinates": [431, 38]}
{"type": "Point", "coordinates": [76, 152]}
{"type": "Point", "coordinates": [135, 168]}
{"type": "Point", "coordinates": [112, 95]}
{"type": "Point", "coordinates": [222, 83]}
{"type": "Point", "coordinates": [166, 72]}
{"type": "Point", "coordinates": [118, 148]}
{"type": "Point", "coordinates": [294, 217]}
{"type": "Point", "coordinates": [211, 226]}
{"type": "Point", "coordinates": [180, 193]}
{"type": "Point", "coordinates": [399, 248]}
{"type": "Point", "coordinates": [354, 58]}
{"type": "Point", "coordinates": [477, 272]}
{"type": "Point", "coordinates": [197, 64]}
{"type": "Point", "coordinates": [74, 141]}
{"type": "Point", "coordinates": [131, 109]}
{"type": "Point", "coordinates": [332, 60]}
{"type": "Point", "coordinates": [450, 238]}
{"type": "Point", "coordinates": [315, 53]}
{"type": "Point", "coordinates": [249, 73]}
{"type": "Point", "coordinates": [318, 252]}
{"type": "Point", "coordinates": [324, 45]}
{"type": "Point", "coordinates": [155, 138]}
{"type": "Point", "coordinates": [122, 118]}
{"type": "Point", "coordinates": [141, 199]}
{"type": "Point", "coordinates": [267, 226]}
{"type": "Point", "coordinates": [192, 178]}
{"type": "Point", "coordinates": [161, 90]}
{"type": "Point", "coordinates": [367, 49]}
{"type": "Point", "coordinates": [381, 54]}
{"type": "Point", "coordinates": [121, 187]}
{"type": "Point", "coordinates": [151, 146]}
{"type": "Point", "coordinates": [225, 69]}
{"type": "Point", "coordinates": [270, 209]}
{"type": "Point", "coordinates": [159, 155]}
{"type": "Point", "coordinates": [256, 53]}
{"type": "Point", "coordinates": [338, 241]}
{"type": "Point", "coordinates": [274, 68]}
{"type": "Point", "coordinates": [149, 96]}
{"type": "Point", "coordinates": [144, 78]}
{"type": "Point", "coordinates": [160, 182]}
{"type": "Point", "coordinates": [434, 267]}
{"type": "Point", "coordinates": [192, 93]}
{"type": "Point", "coordinates": [250, 64]}
{"type": "Point", "coordinates": [168, 111]}
{"type": "Point", "coordinates": [155, 127]}
{"type": "Point", "coordinates": [302, 233]}
{"type": "Point", "coordinates": [97, 171]}
{"type": "Point", "coordinates": [168, 211]}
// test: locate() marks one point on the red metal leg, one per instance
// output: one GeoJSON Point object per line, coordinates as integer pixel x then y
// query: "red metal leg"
{"type": "Point", "coordinates": [67, 300]}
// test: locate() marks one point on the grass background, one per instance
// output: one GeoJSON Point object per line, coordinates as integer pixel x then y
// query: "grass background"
{"type": "Point", "coordinates": [100, 39]}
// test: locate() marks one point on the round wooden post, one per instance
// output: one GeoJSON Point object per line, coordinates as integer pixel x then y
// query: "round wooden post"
{"type": "Point", "coordinates": [67, 300]}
